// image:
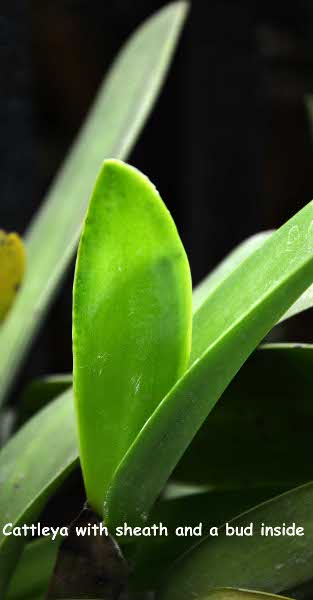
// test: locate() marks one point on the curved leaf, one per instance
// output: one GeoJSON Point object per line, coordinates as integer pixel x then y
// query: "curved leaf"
{"type": "Point", "coordinates": [225, 268]}
{"type": "Point", "coordinates": [131, 319]}
{"type": "Point", "coordinates": [243, 309]}
{"type": "Point", "coordinates": [114, 123]}
{"type": "Point", "coordinates": [32, 465]}
{"type": "Point", "coordinates": [266, 563]}
{"type": "Point", "coordinates": [245, 441]}
{"type": "Point", "coordinates": [155, 555]}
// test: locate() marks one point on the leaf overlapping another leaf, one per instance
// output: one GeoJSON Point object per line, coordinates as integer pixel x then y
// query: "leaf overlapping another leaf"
{"type": "Point", "coordinates": [119, 113]}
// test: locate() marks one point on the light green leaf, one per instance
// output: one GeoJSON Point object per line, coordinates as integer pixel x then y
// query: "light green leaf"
{"type": "Point", "coordinates": [245, 441]}
{"type": "Point", "coordinates": [31, 578]}
{"type": "Point", "coordinates": [225, 268]}
{"type": "Point", "coordinates": [115, 121]}
{"type": "Point", "coordinates": [131, 319]}
{"type": "Point", "coordinates": [32, 465]}
{"type": "Point", "coordinates": [266, 563]}
{"type": "Point", "coordinates": [242, 311]}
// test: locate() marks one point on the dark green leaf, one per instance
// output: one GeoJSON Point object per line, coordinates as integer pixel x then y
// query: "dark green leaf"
{"type": "Point", "coordinates": [155, 555]}
{"type": "Point", "coordinates": [245, 441]}
{"type": "Point", "coordinates": [266, 563]}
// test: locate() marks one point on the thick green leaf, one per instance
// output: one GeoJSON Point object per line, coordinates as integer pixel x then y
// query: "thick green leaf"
{"type": "Point", "coordinates": [155, 555]}
{"type": "Point", "coordinates": [266, 563]}
{"type": "Point", "coordinates": [131, 319]}
{"type": "Point", "coordinates": [115, 121]}
{"type": "Point", "coordinates": [225, 268]}
{"type": "Point", "coordinates": [31, 578]}
{"type": "Point", "coordinates": [243, 308]}
{"type": "Point", "coordinates": [245, 441]}
{"type": "Point", "coordinates": [235, 594]}
{"type": "Point", "coordinates": [32, 465]}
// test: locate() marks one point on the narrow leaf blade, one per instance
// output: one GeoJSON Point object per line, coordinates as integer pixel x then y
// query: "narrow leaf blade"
{"type": "Point", "coordinates": [114, 123]}
{"type": "Point", "coordinates": [225, 268]}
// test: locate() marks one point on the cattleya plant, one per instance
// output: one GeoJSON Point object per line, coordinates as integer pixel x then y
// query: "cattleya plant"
{"type": "Point", "coordinates": [176, 415]}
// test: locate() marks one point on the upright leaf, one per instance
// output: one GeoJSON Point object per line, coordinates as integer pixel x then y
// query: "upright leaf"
{"type": "Point", "coordinates": [32, 465]}
{"type": "Point", "coordinates": [243, 309]}
{"type": "Point", "coordinates": [114, 123]}
{"type": "Point", "coordinates": [131, 319]}
{"type": "Point", "coordinates": [269, 563]}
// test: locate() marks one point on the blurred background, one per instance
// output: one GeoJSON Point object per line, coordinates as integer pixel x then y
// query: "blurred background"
{"type": "Point", "coordinates": [229, 144]}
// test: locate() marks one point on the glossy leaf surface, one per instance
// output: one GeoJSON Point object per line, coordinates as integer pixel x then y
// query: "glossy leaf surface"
{"type": "Point", "coordinates": [131, 319]}
{"type": "Point", "coordinates": [266, 563]}
{"type": "Point", "coordinates": [245, 441]}
{"type": "Point", "coordinates": [32, 465]}
{"type": "Point", "coordinates": [114, 123]}
{"type": "Point", "coordinates": [243, 309]}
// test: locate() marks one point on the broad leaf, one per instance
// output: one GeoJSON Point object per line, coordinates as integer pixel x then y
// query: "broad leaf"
{"type": "Point", "coordinates": [115, 121]}
{"type": "Point", "coordinates": [266, 563]}
{"type": "Point", "coordinates": [245, 441]}
{"type": "Point", "coordinates": [32, 465]}
{"type": "Point", "coordinates": [131, 319]}
{"type": "Point", "coordinates": [155, 555]}
{"type": "Point", "coordinates": [243, 309]}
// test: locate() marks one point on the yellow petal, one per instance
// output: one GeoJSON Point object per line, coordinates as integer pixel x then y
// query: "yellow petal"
{"type": "Point", "coordinates": [12, 268]}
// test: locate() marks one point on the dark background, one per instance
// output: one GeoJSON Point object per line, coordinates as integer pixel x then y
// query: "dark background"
{"type": "Point", "coordinates": [229, 144]}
